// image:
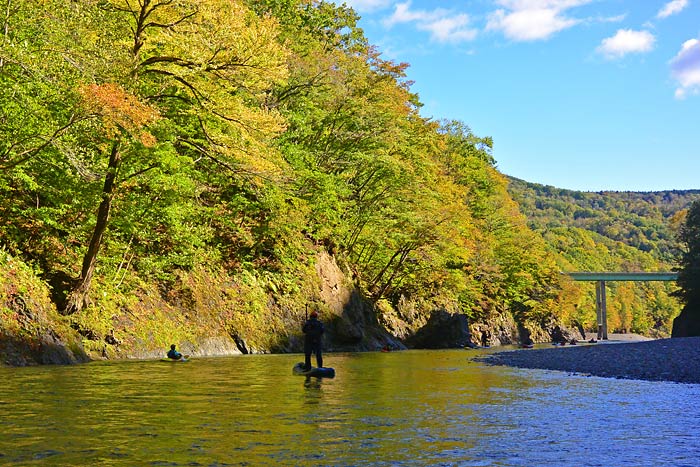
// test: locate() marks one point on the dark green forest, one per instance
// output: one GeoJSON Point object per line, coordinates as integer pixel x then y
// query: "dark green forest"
{"type": "Point", "coordinates": [186, 171]}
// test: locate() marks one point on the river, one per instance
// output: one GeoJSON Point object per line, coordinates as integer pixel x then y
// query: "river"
{"type": "Point", "coordinates": [411, 408]}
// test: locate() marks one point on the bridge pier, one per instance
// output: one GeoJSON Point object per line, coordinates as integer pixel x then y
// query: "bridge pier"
{"type": "Point", "coordinates": [600, 277]}
{"type": "Point", "coordinates": [601, 310]}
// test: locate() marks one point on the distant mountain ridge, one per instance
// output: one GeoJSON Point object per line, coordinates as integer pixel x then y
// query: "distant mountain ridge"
{"type": "Point", "coordinates": [642, 220]}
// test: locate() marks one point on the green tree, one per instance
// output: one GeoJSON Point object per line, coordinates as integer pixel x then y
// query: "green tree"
{"type": "Point", "coordinates": [689, 261]}
{"type": "Point", "coordinates": [164, 91]}
{"type": "Point", "coordinates": [688, 323]}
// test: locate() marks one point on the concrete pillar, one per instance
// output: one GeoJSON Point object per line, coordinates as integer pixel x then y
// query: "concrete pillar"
{"type": "Point", "coordinates": [604, 308]}
{"type": "Point", "coordinates": [599, 307]}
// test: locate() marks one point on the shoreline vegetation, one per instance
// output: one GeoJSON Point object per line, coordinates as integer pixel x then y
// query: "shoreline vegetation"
{"type": "Point", "coordinates": [156, 190]}
{"type": "Point", "coordinates": [674, 359]}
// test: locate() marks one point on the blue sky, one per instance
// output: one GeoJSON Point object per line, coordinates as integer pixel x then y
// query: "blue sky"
{"type": "Point", "coordinates": [580, 94]}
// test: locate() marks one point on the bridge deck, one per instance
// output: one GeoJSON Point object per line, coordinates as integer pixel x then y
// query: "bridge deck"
{"type": "Point", "coordinates": [623, 276]}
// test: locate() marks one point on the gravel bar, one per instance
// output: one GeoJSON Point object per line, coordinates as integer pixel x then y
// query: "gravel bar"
{"type": "Point", "coordinates": [676, 359]}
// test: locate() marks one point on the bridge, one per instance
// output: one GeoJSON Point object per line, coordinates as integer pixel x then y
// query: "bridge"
{"type": "Point", "coordinates": [600, 278]}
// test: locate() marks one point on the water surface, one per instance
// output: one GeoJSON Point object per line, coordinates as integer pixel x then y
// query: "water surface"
{"type": "Point", "coordinates": [413, 408]}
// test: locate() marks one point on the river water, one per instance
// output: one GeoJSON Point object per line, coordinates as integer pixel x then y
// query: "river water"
{"type": "Point", "coordinates": [411, 408]}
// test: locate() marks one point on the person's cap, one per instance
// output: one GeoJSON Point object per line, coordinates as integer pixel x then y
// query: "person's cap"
{"type": "Point", "coordinates": [314, 314]}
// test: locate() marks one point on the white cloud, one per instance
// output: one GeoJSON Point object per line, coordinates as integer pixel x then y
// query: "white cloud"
{"type": "Point", "coordinates": [541, 4]}
{"type": "Point", "coordinates": [529, 20]}
{"type": "Point", "coordinates": [450, 29]}
{"type": "Point", "coordinates": [626, 41]}
{"type": "Point", "coordinates": [685, 68]}
{"type": "Point", "coordinates": [404, 14]}
{"type": "Point", "coordinates": [443, 25]}
{"type": "Point", "coordinates": [529, 25]}
{"type": "Point", "coordinates": [612, 19]}
{"type": "Point", "coordinates": [671, 8]}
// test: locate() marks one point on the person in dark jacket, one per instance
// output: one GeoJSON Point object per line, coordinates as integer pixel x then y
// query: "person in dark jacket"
{"type": "Point", "coordinates": [313, 330]}
{"type": "Point", "coordinates": [174, 354]}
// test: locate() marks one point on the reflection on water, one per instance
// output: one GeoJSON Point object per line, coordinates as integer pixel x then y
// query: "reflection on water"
{"type": "Point", "coordinates": [415, 408]}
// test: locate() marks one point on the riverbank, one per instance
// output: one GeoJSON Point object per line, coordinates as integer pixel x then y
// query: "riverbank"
{"type": "Point", "coordinates": [676, 360]}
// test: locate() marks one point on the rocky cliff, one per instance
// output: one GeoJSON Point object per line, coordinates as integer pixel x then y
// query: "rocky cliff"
{"type": "Point", "coordinates": [209, 314]}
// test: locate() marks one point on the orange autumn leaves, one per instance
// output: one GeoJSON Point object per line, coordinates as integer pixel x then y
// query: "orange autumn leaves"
{"type": "Point", "coordinates": [119, 111]}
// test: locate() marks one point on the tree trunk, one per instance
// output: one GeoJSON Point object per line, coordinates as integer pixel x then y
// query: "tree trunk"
{"type": "Point", "coordinates": [402, 254]}
{"type": "Point", "coordinates": [78, 297]}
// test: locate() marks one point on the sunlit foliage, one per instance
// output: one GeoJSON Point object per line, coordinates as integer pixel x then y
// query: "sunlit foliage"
{"type": "Point", "coordinates": [146, 141]}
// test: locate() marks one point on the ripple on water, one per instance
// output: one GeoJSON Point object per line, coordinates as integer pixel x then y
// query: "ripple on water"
{"type": "Point", "coordinates": [393, 409]}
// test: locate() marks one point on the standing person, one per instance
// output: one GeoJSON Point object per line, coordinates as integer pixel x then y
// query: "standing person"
{"type": "Point", "coordinates": [313, 330]}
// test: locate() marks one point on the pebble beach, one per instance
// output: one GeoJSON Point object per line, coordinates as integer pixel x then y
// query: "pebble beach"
{"type": "Point", "coordinates": [676, 360]}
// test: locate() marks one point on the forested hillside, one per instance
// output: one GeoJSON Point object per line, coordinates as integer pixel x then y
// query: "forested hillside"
{"type": "Point", "coordinates": [613, 231]}
{"type": "Point", "coordinates": [202, 172]}
{"type": "Point", "coordinates": [647, 221]}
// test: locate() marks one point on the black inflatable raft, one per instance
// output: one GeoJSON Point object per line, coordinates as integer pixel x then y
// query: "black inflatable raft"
{"type": "Point", "coordinates": [323, 372]}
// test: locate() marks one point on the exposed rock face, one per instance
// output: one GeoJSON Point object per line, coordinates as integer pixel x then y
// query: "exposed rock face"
{"type": "Point", "coordinates": [349, 325]}
{"type": "Point", "coordinates": [562, 335]}
{"type": "Point", "coordinates": [687, 323]}
{"type": "Point", "coordinates": [27, 336]}
{"type": "Point", "coordinates": [345, 328]}
{"type": "Point", "coordinates": [215, 346]}
{"type": "Point", "coordinates": [498, 329]}
{"type": "Point", "coordinates": [44, 349]}
{"type": "Point", "coordinates": [333, 290]}
{"type": "Point", "coordinates": [352, 324]}
{"type": "Point", "coordinates": [443, 330]}
{"type": "Point", "coordinates": [501, 329]}
{"type": "Point", "coordinates": [402, 321]}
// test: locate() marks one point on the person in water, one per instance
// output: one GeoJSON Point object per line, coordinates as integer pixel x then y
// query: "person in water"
{"type": "Point", "coordinates": [313, 330]}
{"type": "Point", "coordinates": [174, 354]}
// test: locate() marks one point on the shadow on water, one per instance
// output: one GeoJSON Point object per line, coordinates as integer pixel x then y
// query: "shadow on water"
{"type": "Point", "coordinates": [421, 408]}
